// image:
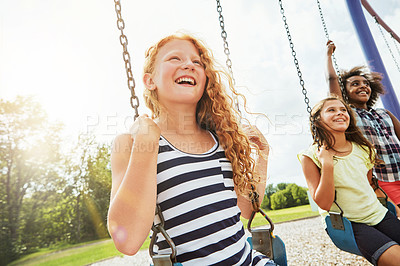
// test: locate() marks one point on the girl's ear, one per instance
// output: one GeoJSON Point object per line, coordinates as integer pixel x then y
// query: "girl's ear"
{"type": "Point", "coordinates": [149, 82]}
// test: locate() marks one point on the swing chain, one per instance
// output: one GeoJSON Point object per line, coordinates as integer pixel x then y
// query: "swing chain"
{"type": "Point", "coordinates": [395, 43]}
{"type": "Point", "coordinates": [224, 35]}
{"type": "Point", "coordinates": [299, 74]}
{"type": "Point", "coordinates": [227, 52]}
{"type": "Point", "coordinates": [386, 42]}
{"type": "Point", "coordinates": [296, 62]}
{"type": "Point", "coordinates": [158, 227]}
{"type": "Point", "coordinates": [134, 100]}
{"type": "Point", "coordinates": [344, 93]}
{"type": "Point", "coordinates": [254, 197]}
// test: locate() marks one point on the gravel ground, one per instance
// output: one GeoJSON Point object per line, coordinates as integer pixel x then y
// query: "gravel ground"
{"type": "Point", "coordinates": [305, 240]}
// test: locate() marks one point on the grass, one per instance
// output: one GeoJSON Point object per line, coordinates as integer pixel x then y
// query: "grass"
{"type": "Point", "coordinates": [283, 215]}
{"type": "Point", "coordinates": [90, 252]}
{"type": "Point", "coordinates": [73, 255]}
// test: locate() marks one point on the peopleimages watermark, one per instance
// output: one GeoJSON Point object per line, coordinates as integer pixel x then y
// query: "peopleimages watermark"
{"type": "Point", "coordinates": [270, 124]}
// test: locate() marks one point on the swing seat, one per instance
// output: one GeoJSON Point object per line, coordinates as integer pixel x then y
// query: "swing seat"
{"type": "Point", "coordinates": [341, 233]}
{"type": "Point", "coordinates": [389, 205]}
{"type": "Point", "coordinates": [273, 246]}
{"type": "Point", "coordinates": [164, 260]}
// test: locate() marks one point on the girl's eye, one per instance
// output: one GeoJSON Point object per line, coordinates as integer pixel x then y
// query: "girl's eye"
{"type": "Point", "coordinates": [174, 58]}
{"type": "Point", "coordinates": [198, 62]}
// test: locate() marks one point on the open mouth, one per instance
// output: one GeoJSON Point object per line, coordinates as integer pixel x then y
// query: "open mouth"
{"type": "Point", "coordinates": [186, 80]}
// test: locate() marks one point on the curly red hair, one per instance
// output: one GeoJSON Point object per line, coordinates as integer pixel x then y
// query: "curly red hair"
{"type": "Point", "coordinates": [215, 112]}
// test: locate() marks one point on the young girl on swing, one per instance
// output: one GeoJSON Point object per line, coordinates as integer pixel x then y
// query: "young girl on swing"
{"type": "Point", "coordinates": [192, 157]}
{"type": "Point", "coordinates": [341, 170]}
{"type": "Point", "coordinates": [379, 126]}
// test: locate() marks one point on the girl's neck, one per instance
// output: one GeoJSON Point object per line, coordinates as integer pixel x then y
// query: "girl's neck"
{"type": "Point", "coordinates": [178, 123]}
{"type": "Point", "coordinates": [360, 105]}
{"type": "Point", "coordinates": [341, 143]}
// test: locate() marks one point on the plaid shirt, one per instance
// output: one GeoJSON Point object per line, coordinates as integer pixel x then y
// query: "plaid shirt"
{"type": "Point", "coordinates": [377, 126]}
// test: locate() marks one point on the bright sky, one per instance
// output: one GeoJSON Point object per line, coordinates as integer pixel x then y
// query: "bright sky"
{"type": "Point", "coordinates": [67, 54]}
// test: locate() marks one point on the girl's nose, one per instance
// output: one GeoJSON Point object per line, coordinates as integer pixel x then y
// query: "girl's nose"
{"type": "Point", "coordinates": [364, 85]}
{"type": "Point", "coordinates": [188, 64]}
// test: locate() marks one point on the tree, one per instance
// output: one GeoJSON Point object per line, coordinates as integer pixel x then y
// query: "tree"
{"type": "Point", "coordinates": [285, 195]}
{"type": "Point", "coordinates": [29, 152]}
{"type": "Point", "coordinates": [269, 190]}
{"type": "Point", "coordinates": [46, 196]}
{"type": "Point", "coordinates": [278, 200]}
{"type": "Point", "coordinates": [299, 194]}
{"type": "Point", "coordinates": [281, 186]}
{"type": "Point", "coordinates": [266, 203]}
{"type": "Point", "coordinates": [99, 184]}
{"type": "Point", "coordinates": [88, 172]}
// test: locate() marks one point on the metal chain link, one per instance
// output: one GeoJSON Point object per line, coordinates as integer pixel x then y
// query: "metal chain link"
{"type": "Point", "coordinates": [395, 43]}
{"type": "Point", "coordinates": [254, 197]}
{"type": "Point", "coordinates": [344, 93]}
{"type": "Point", "coordinates": [227, 52]}
{"type": "Point", "coordinates": [159, 227]}
{"type": "Point", "coordinates": [299, 74]}
{"type": "Point", "coordinates": [253, 194]}
{"type": "Point", "coordinates": [386, 42]}
{"type": "Point", "coordinates": [134, 100]}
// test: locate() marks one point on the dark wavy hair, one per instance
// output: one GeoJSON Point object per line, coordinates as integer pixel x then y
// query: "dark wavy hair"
{"type": "Point", "coordinates": [374, 79]}
{"type": "Point", "coordinates": [321, 135]}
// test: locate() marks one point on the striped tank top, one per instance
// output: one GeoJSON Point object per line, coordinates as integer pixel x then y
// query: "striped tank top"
{"type": "Point", "coordinates": [197, 199]}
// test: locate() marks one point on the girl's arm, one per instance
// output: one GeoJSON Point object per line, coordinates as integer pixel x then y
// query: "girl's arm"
{"type": "Point", "coordinates": [380, 194]}
{"type": "Point", "coordinates": [331, 76]}
{"type": "Point", "coordinates": [133, 192]}
{"type": "Point", "coordinates": [320, 183]}
{"type": "Point", "coordinates": [260, 169]}
{"type": "Point", "coordinates": [396, 124]}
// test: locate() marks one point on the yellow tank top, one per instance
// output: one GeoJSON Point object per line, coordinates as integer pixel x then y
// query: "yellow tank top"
{"type": "Point", "coordinates": [353, 192]}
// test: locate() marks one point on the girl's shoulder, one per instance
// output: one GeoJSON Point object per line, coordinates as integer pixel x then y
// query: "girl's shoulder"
{"type": "Point", "coordinates": [310, 152]}
{"type": "Point", "coordinates": [360, 146]}
{"type": "Point", "coordinates": [378, 110]}
{"type": "Point", "coordinates": [381, 111]}
{"type": "Point", "coordinates": [364, 150]}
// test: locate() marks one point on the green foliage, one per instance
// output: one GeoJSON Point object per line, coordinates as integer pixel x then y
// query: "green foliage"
{"type": "Point", "coordinates": [299, 194]}
{"type": "Point", "coordinates": [48, 196]}
{"type": "Point", "coordinates": [278, 200]}
{"type": "Point", "coordinates": [29, 155]}
{"type": "Point", "coordinates": [284, 195]}
{"type": "Point", "coordinates": [266, 203]}
{"type": "Point", "coordinates": [281, 186]}
{"type": "Point", "coordinates": [269, 190]}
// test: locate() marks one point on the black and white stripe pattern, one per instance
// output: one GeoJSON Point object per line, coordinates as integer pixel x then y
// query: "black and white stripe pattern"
{"type": "Point", "coordinates": [197, 198]}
